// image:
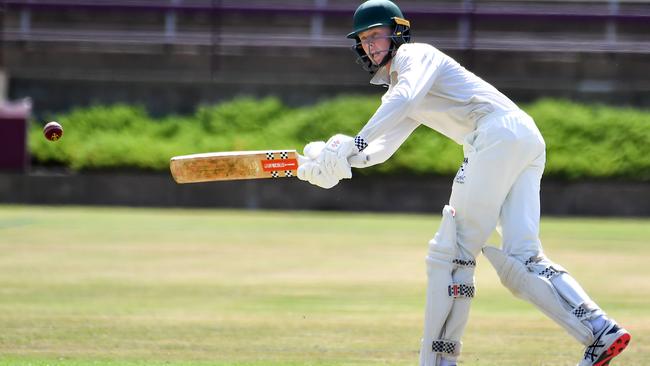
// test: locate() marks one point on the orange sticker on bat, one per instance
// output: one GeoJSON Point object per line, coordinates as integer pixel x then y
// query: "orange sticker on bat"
{"type": "Point", "coordinates": [280, 164]}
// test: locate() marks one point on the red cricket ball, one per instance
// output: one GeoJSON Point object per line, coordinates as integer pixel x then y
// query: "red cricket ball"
{"type": "Point", "coordinates": [53, 131]}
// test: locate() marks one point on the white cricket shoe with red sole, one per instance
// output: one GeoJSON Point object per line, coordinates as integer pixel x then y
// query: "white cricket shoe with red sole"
{"type": "Point", "coordinates": [609, 343]}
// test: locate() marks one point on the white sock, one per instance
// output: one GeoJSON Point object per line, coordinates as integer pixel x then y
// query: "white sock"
{"type": "Point", "coordinates": [445, 362]}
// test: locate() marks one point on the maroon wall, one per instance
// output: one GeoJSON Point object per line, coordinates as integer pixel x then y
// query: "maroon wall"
{"type": "Point", "coordinates": [13, 136]}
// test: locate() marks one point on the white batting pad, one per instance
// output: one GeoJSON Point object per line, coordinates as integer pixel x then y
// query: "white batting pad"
{"type": "Point", "coordinates": [459, 314]}
{"type": "Point", "coordinates": [449, 291]}
{"type": "Point", "coordinates": [537, 288]}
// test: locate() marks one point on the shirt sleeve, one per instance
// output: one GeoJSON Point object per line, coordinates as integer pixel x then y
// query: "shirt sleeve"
{"type": "Point", "coordinates": [382, 148]}
{"type": "Point", "coordinates": [416, 73]}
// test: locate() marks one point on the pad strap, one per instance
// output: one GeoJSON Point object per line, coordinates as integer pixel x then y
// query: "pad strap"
{"type": "Point", "coordinates": [535, 265]}
{"type": "Point", "coordinates": [583, 311]}
{"type": "Point", "coordinates": [446, 346]}
{"type": "Point", "coordinates": [464, 262]}
{"type": "Point", "coordinates": [549, 272]}
{"type": "Point", "coordinates": [461, 290]}
{"type": "Point", "coordinates": [542, 270]}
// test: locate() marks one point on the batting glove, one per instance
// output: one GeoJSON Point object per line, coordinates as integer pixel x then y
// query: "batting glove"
{"type": "Point", "coordinates": [312, 172]}
{"type": "Point", "coordinates": [335, 154]}
{"type": "Point", "coordinates": [313, 149]}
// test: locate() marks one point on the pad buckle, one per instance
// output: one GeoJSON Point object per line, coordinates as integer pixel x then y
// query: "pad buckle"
{"type": "Point", "coordinates": [549, 272]}
{"type": "Point", "coordinates": [461, 290]}
{"type": "Point", "coordinates": [582, 311]}
{"type": "Point", "coordinates": [464, 262]}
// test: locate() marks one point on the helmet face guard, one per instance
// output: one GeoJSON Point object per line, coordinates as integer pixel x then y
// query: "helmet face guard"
{"type": "Point", "coordinates": [400, 35]}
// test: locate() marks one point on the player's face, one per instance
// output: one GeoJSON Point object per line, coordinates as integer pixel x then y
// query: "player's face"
{"type": "Point", "coordinates": [375, 43]}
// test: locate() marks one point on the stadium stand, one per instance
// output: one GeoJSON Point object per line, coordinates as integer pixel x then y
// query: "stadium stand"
{"type": "Point", "coordinates": [172, 54]}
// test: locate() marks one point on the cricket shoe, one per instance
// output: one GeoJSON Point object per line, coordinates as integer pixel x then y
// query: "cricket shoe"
{"type": "Point", "coordinates": [609, 342]}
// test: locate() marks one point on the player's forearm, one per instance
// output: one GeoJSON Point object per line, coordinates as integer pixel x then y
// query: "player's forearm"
{"type": "Point", "coordinates": [376, 153]}
{"type": "Point", "coordinates": [381, 149]}
{"type": "Point", "coordinates": [388, 115]}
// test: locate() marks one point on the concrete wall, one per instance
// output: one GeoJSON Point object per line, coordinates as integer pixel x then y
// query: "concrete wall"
{"type": "Point", "coordinates": [359, 194]}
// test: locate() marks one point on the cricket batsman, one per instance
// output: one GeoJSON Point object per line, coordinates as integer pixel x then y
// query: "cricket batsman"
{"type": "Point", "coordinates": [498, 183]}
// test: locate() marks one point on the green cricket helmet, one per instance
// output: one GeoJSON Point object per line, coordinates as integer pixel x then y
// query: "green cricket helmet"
{"type": "Point", "coordinates": [379, 13]}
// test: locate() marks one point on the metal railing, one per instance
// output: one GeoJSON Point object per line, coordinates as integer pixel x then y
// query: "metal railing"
{"type": "Point", "coordinates": [465, 12]}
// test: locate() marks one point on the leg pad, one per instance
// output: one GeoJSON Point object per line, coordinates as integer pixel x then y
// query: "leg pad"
{"type": "Point", "coordinates": [527, 281]}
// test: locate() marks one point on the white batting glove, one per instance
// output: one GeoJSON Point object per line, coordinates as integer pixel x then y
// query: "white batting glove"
{"type": "Point", "coordinates": [312, 172]}
{"type": "Point", "coordinates": [313, 149]}
{"type": "Point", "coordinates": [334, 157]}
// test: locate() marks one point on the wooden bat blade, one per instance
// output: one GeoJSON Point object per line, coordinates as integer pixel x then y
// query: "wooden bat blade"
{"type": "Point", "coordinates": [233, 165]}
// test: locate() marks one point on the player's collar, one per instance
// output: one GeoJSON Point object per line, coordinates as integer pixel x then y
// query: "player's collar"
{"type": "Point", "coordinates": [381, 77]}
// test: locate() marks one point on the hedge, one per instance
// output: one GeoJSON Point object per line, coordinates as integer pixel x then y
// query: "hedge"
{"type": "Point", "coordinates": [583, 141]}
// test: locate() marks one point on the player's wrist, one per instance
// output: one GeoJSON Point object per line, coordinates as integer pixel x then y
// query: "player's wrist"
{"type": "Point", "coordinates": [360, 143]}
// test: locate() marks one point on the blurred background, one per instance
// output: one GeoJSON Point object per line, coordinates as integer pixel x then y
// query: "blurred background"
{"type": "Point", "coordinates": [105, 261]}
{"type": "Point", "coordinates": [170, 58]}
{"type": "Point", "coordinates": [174, 54]}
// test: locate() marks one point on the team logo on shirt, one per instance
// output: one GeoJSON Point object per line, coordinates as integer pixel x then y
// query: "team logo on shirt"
{"type": "Point", "coordinates": [460, 176]}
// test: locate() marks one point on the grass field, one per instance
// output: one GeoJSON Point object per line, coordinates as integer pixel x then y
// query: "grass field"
{"type": "Point", "coordinates": [118, 286]}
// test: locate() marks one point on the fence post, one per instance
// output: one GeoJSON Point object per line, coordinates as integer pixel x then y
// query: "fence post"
{"type": "Point", "coordinates": [612, 26]}
{"type": "Point", "coordinates": [317, 20]}
{"type": "Point", "coordinates": [465, 25]}
{"type": "Point", "coordinates": [25, 21]}
{"type": "Point", "coordinates": [170, 22]}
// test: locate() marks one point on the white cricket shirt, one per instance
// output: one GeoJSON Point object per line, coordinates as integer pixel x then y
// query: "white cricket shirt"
{"type": "Point", "coordinates": [427, 87]}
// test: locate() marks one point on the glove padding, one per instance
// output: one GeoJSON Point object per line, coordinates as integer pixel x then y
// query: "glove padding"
{"type": "Point", "coordinates": [311, 171]}
{"type": "Point", "coordinates": [313, 149]}
{"type": "Point", "coordinates": [334, 156]}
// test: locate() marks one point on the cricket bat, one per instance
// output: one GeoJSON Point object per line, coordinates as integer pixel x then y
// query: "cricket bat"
{"type": "Point", "coordinates": [234, 165]}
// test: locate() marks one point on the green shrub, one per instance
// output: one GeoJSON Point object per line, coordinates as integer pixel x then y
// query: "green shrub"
{"type": "Point", "coordinates": [583, 141]}
{"type": "Point", "coordinates": [594, 141]}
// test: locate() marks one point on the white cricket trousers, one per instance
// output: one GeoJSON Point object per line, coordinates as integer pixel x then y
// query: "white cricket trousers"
{"type": "Point", "coordinates": [499, 183]}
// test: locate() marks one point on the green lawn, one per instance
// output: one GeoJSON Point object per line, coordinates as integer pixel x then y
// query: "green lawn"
{"type": "Point", "coordinates": [118, 286]}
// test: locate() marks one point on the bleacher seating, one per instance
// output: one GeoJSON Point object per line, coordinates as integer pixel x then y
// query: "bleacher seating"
{"type": "Point", "coordinates": [277, 43]}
